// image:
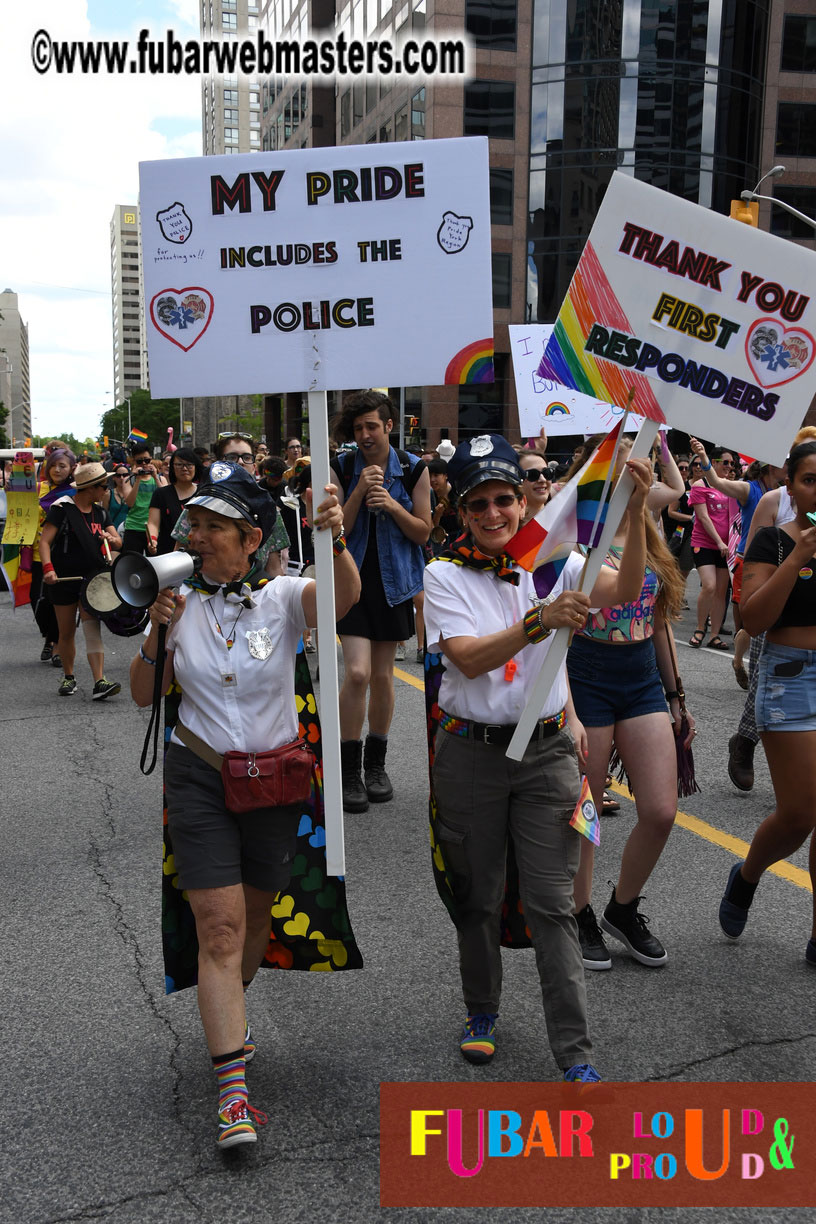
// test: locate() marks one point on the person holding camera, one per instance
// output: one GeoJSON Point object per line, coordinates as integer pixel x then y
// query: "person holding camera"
{"type": "Point", "coordinates": [144, 481]}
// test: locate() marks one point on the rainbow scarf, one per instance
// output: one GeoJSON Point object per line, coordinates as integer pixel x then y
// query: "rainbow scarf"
{"type": "Point", "coordinates": [576, 515]}
{"type": "Point", "coordinates": [464, 552]}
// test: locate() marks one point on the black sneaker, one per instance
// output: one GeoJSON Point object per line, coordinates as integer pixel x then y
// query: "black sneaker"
{"type": "Point", "coordinates": [105, 688]}
{"type": "Point", "coordinates": [631, 928]}
{"type": "Point", "coordinates": [56, 661]}
{"type": "Point", "coordinates": [46, 653]}
{"type": "Point", "coordinates": [68, 687]}
{"type": "Point", "coordinates": [593, 949]}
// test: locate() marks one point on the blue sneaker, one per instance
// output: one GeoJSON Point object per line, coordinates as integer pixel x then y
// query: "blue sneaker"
{"type": "Point", "coordinates": [583, 1073]}
{"type": "Point", "coordinates": [732, 917]}
{"type": "Point", "coordinates": [810, 952]}
{"type": "Point", "coordinates": [478, 1043]}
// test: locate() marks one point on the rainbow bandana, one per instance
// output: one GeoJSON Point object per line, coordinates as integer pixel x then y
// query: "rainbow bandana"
{"type": "Point", "coordinates": [464, 552]}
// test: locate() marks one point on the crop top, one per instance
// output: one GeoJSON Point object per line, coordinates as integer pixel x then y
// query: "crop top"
{"type": "Point", "coordinates": [800, 607]}
{"type": "Point", "coordinates": [629, 622]}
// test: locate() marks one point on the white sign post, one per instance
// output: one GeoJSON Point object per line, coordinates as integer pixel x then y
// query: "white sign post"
{"type": "Point", "coordinates": [312, 270]}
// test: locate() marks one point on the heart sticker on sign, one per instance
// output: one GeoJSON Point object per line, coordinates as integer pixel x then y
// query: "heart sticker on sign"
{"type": "Point", "coordinates": [182, 315]}
{"type": "Point", "coordinates": [778, 354]}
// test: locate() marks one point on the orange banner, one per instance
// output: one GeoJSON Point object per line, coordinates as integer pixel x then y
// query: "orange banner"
{"type": "Point", "coordinates": [597, 1145]}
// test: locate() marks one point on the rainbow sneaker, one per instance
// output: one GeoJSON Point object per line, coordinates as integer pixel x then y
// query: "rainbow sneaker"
{"type": "Point", "coordinates": [235, 1125]}
{"type": "Point", "coordinates": [249, 1044]}
{"type": "Point", "coordinates": [478, 1042]}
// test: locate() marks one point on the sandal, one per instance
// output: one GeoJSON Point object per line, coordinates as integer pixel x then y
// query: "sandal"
{"type": "Point", "coordinates": [609, 804]}
{"type": "Point", "coordinates": [716, 643]}
{"type": "Point", "coordinates": [741, 674]}
{"type": "Point", "coordinates": [696, 639]}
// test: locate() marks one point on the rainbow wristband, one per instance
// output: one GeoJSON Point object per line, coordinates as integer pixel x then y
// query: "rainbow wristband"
{"type": "Point", "coordinates": [533, 627]}
{"type": "Point", "coordinates": [339, 544]}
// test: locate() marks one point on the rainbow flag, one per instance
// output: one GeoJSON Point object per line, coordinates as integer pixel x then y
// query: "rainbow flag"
{"type": "Point", "coordinates": [576, 515]}
{"type": "Point", "coordinates": [585, 817]}
{"type": "Point", "coordinates": [136, 435]}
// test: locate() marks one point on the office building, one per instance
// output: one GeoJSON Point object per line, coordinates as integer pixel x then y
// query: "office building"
{"type": "Point", "coordinates": [15, 382]}
{"type": "Point", "coordinates": [130, 369]}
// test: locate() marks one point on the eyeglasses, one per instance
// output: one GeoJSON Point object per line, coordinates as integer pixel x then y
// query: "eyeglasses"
{"type": "Point", "coordinates": [184, 467]}
{"type": "Point", "coordinates": [478, 505]}
{"type": "Point", "coordinates": [235, 458]}
{"type": "Point", "coordinates": [536, 474]}
{"type": "Point", "coordinates": [233, 433]}
{"type": "Point", "coordinates": [294, 446]}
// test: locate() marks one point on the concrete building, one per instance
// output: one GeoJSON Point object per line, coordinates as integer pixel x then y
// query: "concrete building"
{"type": "Point", "coordinates": [127, 295]}
{"type": "Point", "coordinates": [15, 381]}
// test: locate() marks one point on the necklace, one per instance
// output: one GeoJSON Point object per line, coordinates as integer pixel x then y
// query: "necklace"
{"type": "Point", "coordinates": [230, 640]}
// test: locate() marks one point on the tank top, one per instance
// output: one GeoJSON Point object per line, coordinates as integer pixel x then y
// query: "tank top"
{"type": "Point", "coordinates": [630, 622]}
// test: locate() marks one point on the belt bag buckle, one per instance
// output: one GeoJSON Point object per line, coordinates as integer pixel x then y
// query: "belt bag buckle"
{"type": "Point", "coordinates": [252, 769]}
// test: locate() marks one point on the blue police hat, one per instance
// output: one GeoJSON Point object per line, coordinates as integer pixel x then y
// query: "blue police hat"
{"type": "Point", "coordinates": [230, 490]}
{"type": "Point", "coordinates": [488, 457]}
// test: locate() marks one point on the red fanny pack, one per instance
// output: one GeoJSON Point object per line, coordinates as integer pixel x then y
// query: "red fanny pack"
{"type": "Point", "coordinates": [267, 779]}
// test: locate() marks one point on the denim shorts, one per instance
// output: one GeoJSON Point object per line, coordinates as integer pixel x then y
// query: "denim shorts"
{"type": "Point", "coordinates": [613, 683]}
{"type": "Point", "coordinates": [786, 694]}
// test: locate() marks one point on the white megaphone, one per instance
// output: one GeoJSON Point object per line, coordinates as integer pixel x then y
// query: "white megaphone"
{"type": "Point", "coordinates": [137, 580]}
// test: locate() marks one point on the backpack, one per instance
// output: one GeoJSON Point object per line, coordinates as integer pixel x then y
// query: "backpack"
{"type": "Point", "coordinates": [343, 465]}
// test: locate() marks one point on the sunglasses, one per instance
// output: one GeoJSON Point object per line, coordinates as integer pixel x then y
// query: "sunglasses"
{"type": "Point", "coordinates": [535, 474]}
{"type": "Point", "coordinates": [682, 467]}
{"type": "Point", "coordinates": [232, 457]}
{"type": "Point", "coordinates": [724, 462]}
{"type": "Point", "coordinates": [478, 505]}
{"type": "Point", "coordinates": [233, 433]}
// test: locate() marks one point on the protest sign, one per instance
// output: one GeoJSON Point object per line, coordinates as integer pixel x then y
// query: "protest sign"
{"type": "Point", "coordinates": [318, 269]}
{"type": "Point", "coordinates": [22, 504]}
{"type": "Point", "coordinates": [709, 321]}
{"type": "Point", "coordinates": [543, 402]}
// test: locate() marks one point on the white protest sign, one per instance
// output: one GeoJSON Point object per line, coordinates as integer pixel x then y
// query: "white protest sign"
{"type": "Point", "coordinates": [710, 322]}
{"type": "Point", "coordinates": [318, 269]}
{"type": "Point", "coordinates": [542, 402]}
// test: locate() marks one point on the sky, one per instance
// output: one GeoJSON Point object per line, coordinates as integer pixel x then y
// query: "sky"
{"type": "Point", "coordinates": [70, 147]}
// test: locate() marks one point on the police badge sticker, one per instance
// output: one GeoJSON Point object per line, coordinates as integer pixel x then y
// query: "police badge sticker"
{"type": "Point", "coordinates": [481, 446]}
{"type": "Point", "coordinates": [259, 642]}
{"type": "Point", "coordinates": [219, 471]}
{"type": "Point", "coordinates": [454, 232]}
{"type": "Point", "coordinates": [174, 223]}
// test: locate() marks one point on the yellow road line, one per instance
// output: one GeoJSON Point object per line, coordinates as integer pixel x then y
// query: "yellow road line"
{"type": "Point", "coordinates": [402, 675]}
{"type": "Point", "coordinates": [794, 875]}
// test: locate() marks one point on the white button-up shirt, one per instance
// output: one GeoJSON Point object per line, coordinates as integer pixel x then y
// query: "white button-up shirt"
{"type": "Point", "coordinates": [231, 699]}
{"type": "Point", "coordinates": [463, 602]}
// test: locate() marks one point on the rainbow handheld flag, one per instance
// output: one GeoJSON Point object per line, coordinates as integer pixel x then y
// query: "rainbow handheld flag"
{"type": "Point", "coordinates": [576, 515]}
{"type": "Point", "coordinates": [585, 817]}
{"type": "Point", "coordinates": [136, 435]}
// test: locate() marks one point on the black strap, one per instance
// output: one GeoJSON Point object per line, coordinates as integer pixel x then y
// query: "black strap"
{"type": "Point", "coordinates": [343, 465]}
{"type": "Point", "coordinates": [155, 713]}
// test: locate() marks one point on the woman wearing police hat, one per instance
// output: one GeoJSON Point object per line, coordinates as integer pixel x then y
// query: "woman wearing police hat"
{"type": "Point", "coordinates": [484, 617]}
{"type": "Point", "coordinates": [231, 647]}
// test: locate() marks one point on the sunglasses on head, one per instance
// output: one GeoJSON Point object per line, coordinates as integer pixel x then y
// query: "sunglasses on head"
{"type": "Point", "coordinates": [478, 505]}
{"type": "Point", "coordinates": [233, 433]}
{"type": "Point", "coordinates": [534, 474]}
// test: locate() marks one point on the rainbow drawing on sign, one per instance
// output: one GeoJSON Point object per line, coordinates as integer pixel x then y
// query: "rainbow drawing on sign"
{"type": "Point", "coordinates": [590, 300]}
{"type": "Point", "coordinates": [472, 364]}
{"type": "Point", "coordinates": [556, 409]}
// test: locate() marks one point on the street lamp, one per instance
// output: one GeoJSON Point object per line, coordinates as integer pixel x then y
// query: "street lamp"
{"type": "Point", "coordinates": [754, 195]}
{"type": "Point", "coordinates": [12, 411]}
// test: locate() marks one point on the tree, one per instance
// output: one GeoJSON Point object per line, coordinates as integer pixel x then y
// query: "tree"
{"type": "Point", "coordinates": [153, 417]}
{"type": "Point", "coordinates": [4, 440]}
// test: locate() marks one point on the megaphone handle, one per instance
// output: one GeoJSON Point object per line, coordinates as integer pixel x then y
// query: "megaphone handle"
{"type": "Point", "coordinates": [155, 713]}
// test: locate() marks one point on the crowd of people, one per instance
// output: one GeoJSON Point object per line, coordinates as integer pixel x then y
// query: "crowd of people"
{"type": "Point", "coordinates": [420, 545]}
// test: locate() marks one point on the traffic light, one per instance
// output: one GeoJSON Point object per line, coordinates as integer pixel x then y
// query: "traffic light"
{"type": "Point", "coordinates": [745, 211]}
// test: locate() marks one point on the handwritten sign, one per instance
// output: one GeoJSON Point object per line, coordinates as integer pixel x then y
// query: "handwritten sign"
{"type": "Point", "coordinates": [544, 402]}
{"type": "Point", "coordinates": [712, 323]}
{"type": "Point", "coordinates": [22, 504]}
{"type": "Point", "coordinates": [318, 268]}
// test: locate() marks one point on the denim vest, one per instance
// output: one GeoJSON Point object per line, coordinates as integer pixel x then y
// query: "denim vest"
{"type": "Point", "coordinates": [402, 562]}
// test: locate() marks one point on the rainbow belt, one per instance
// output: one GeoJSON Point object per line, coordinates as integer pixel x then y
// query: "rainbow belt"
{"type": "Point", "coordinates": [499, 734]}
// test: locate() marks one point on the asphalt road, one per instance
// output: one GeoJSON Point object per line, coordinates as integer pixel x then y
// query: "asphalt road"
{"type": "Point", "coordinates": [108, 1103]}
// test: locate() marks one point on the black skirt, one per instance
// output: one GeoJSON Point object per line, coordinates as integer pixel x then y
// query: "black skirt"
{"type": "Point", "coordinates": [372, 617]}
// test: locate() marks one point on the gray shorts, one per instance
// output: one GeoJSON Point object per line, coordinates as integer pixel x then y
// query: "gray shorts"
{"type": "Point", "coordinates": [214, 848]}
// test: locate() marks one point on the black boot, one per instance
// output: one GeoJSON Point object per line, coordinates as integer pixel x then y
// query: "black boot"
{"type": "Point", "coordinates": [741, 761]}
{"type": "Point", "coordinates": [377, 782]}
{"type": "Point", "coordinates": [351, 760]}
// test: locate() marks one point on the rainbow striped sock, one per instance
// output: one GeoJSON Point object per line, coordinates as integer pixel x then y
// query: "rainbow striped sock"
{"type": "Point", "coordinates": [234, 1123]}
